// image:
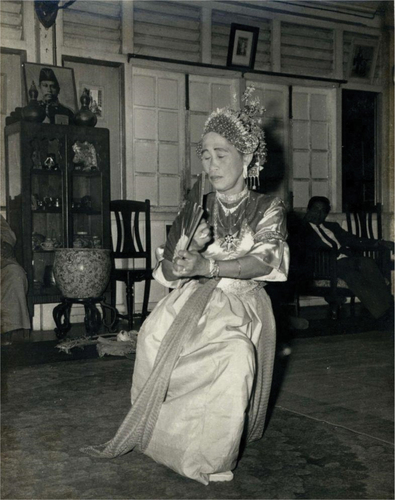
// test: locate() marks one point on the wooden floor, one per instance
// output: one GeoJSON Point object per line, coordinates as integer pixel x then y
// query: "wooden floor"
{"type": "Point", "coordinates": [337, 371]}
{"type": "Point", "coordinates": [338, 376]}
{"type": "Point", "coordinates": [345, 380]}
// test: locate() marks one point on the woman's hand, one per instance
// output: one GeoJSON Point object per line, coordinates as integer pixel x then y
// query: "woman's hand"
{"type": "Point", "coordinates": [202, 236]}
{"type": "Point", "coordinates": [190, 263]}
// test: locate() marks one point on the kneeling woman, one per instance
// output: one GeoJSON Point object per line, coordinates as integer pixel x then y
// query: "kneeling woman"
{"type": "Point", "coordinates": [205, 354]}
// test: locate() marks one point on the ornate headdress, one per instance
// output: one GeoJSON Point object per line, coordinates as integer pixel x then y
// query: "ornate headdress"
{"type": "Point", "coordinates": [243, 129]}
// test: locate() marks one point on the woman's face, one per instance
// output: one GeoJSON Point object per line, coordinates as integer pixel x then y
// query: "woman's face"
{"type": "Point", "coordinates": [223, 163]}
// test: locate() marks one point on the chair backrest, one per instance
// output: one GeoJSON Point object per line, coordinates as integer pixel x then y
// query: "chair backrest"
{"type": "Point", "coordinates": [363, 217]}
{"type": "Point", "coordinates": [128, 243]}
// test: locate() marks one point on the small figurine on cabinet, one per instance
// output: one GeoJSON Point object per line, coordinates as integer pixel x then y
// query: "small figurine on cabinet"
{"type": "Point", "coordinates": [96, 241]}
{"type": "Point", "coordinates": [36, 154]}
{"type": "Point", "coordinates": [86, 202]}
{"type": "Point", "coordinates": [85, 156]}
{"type": "Point", "coordinates": [34, 202]}
{"type": "Point", "coordinates": [37, 239]}
{"type": "Point", "coordinates": [36, 160]}
{"type": "Point", "coordinates": [50, 162]}
{"type": "Point", "coordinates": [48, 202]}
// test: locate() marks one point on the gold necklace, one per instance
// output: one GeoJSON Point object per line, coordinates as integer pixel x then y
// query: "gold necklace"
{"type": "Point", "coordinates": [231, 241]}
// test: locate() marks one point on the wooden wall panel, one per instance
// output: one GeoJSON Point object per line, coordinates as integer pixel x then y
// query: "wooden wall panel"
{"type": "Point", "coordinates": [11, 19]}
{"type": "Point", "coordinates": [162, 29]}
{"type": "Point", "coordinates": [93, 26]}
{"type": "Point", "coordinates": [307, 50]}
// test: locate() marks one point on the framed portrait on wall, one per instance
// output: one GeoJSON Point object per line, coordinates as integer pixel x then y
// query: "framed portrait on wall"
{"type": "Point", "coordinates": [56, 90]}
{"type": "Point", "coordinates": [243, 43]}
{"type": "Point", "coordinates": [363, 59]}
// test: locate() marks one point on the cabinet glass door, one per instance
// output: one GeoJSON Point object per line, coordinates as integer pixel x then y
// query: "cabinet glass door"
{"type": "Point", "coordinates": [86, 209]}
{"type": "Point", "coordinates": [46, 157]}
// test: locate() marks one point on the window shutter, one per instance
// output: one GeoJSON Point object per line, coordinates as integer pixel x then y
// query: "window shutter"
{"type": "Point", "coordinates": [93, 26]}
{"type": "Point", "coordinates": [163, 29]}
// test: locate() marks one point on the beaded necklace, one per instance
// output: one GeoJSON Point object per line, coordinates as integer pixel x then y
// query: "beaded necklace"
{"type": "Point", "coordinates": [232, 210]}
{"type": "Point", "coordinates": [232, 198]}
{"type": "Point", "coordinates": [232, 226]}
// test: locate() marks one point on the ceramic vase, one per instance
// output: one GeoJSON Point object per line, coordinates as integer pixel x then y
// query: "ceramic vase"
{"type": "Point", "coordinates": [85, 117]}
{"type": "Point", "coordinates": [82, 273]}
{"type": "Point", "coordinates": [33, 112]}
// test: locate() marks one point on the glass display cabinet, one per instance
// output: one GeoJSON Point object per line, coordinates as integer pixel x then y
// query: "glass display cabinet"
{"type": "Point", "coordinates": [58, 195]}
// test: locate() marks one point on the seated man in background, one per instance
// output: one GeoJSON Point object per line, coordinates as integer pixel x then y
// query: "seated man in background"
{"type": "Point", "coordinates": [360, 273]}
{"type": "Point", "coordinates": [13, 286]}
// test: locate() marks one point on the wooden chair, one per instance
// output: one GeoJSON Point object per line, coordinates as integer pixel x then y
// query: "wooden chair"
{"type": "Point", "coordinates": [360, 221]}
{"type": "Point", "coordinates": [128, 244]}
{"type": "Point", "coordinates": [323, 262]}
{"type": "Point", "coordinates": [325, 282]}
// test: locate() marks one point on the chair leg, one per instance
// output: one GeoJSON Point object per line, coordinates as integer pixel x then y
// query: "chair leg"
{"type": "Point", "coordinates": [334, 310]}
{"type": "Point", "coordinates": [147, 288]}
{"type": "Point", "coordinates": [113, 296]}
{"type": "Point", "coordinates": [113, 303]}
{"type": "Point", "coordinates": [352, 306]}
{"type": "Point", "coordinates": [130, 302]}
{"type": "Point", "coordinates": [297, 304]}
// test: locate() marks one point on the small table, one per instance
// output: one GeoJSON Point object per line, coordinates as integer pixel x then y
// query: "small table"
{"type": "Point", "coordinates": [92, 320]}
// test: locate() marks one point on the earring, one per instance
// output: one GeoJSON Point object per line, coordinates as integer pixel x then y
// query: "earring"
{"type": "Point", "coordinates": [253, 176]}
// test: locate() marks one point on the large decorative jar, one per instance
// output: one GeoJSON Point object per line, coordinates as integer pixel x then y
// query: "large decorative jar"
{"type": "Point", "coordinates": [82, 273]}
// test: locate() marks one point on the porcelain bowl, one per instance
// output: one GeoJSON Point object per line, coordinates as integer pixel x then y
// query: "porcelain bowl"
{"type": "Point", "coordinates": [82, 273]}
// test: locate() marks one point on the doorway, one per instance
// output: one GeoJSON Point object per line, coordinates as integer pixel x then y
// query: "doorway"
{"type": "Point", "coordinates": [358, 147]}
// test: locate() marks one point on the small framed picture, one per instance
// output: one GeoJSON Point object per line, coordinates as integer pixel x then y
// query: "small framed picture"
{"type": "Point", "coordinates": [96, 94]}
{"type": "Point", "coordinates": [243, 43]}
{"type": "Point", "coordinates": [363, 58]}
{"type": "Point", "coordinates": [56, 90]}
{"type": "Point", "coordinates": [61, 120]}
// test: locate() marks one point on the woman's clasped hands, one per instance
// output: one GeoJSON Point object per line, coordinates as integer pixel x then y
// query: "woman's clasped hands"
{"type": "Point", "coordinates": [190, 262]}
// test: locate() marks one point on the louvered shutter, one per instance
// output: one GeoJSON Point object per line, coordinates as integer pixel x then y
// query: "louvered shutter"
{"type": "Point", "coordinates": [11, 15]}
{"type": "Point", "coordinates": [93, 26]}
{"type": "Point", "coordinates": [307, 50]}
{"type": "Point", "coordinates": [163, 29]}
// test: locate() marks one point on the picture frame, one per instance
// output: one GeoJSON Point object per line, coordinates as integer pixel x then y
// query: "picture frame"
{"type": "Point", "coordinates": [65, 100]}
{"type": "Point", "coordinates": [362, 60]}
{"type": "Point", "coordinates": [243, 43]}
{"type": "Point", "coordinates": [97, 95]}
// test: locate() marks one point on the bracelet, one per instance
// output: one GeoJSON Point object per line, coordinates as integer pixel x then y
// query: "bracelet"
{"type": "Point", "coordinates": [239, 273]}
{"type": "Point", "coordinates": [214, 269]}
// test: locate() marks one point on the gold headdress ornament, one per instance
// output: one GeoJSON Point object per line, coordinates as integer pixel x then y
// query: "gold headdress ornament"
{"type": "Point", "coordinates": [243, 129]}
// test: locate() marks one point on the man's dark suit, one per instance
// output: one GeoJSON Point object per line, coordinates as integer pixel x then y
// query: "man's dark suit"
{"type": "Point", "coordinates": [361, 274]}
{"type": "Point", "coordinates": [56, 108]}
{"type": "Point", "coordinates": [348, 241]}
